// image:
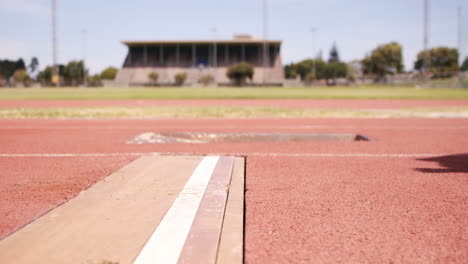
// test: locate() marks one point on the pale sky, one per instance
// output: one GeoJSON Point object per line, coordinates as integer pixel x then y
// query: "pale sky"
{"type": "Point", "coordinates": [356, 26]}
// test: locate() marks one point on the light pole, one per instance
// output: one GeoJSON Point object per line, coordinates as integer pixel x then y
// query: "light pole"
{"type": "Point", "coordinates": [313, 30]}
{"type": "Point", "coordinates": [265, 42]}
{"type": "Point", "coordinates": [426, 37]}
{"type": "Point", "coordinates": [55, 72]}
{"type": "Point", "coordinates": [215, 56]}
{"type": "Point", "coordinates": [460, 34]}
{"type": "Point", "coordinates": [85, 79]}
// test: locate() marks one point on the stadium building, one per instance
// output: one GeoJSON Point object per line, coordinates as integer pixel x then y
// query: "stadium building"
{"type": "Point", "coordinates": [199, 58]}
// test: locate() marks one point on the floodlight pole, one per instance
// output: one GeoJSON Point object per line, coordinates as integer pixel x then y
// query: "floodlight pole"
{"type": "Point", "coordinates": [215, 57]}
{"type": "Point", "coordinates": [314, 57]}
{"type": "Point", "coordinates": [459, 34]}
{"type": "Point", "coordinates": [54, 42]}
{"type": "Point", "coordinates": [265, 42]}
{"type": "Point", "coordinates": [85, 75]}
{"type": "Point", "coordinates": [426, 37]}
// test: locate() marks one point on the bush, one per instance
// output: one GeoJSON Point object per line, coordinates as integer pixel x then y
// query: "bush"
{"type": "Point", "coordinates": [109, 73]}
{"type": "Point", "coordinates": [206, 79]}
{"type": "Point", "coordinates": [94, 80]}
{"type": "Point", "coordinates": [180, 78]}
{"type": "Point", "coordinates": [153, 76]}
{"type": "Point", "coordinates": [21, 77]}
{"type": "Point", "coordinates": [238, 73]}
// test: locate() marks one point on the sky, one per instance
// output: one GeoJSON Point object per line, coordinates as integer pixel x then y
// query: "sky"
{"type": "Point", "coordinates": [356, 26]}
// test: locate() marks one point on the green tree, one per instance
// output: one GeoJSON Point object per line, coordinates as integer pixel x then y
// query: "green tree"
{"type": "Point", "coordinates": [21, 77]}
{"type": "Point", "coordinates": [73, 73]}
{"type": "Point", "coordinates": [109, 73]}
{"type": "Point", "coordinates": [240, 72]}
{"type": "Point", "coordinates": [384, 60]}
{"type": "Point", "coordinates": [443, 61]}
{"type": "Point", "coordinates": [9, 67]}
{"type": "Point", "coordinates": [290, 71]}
{"type": "Point", "coordinates": [335, 70]}
{"type": "Point", "coordinates": [334, 55]}
{"type": "Point", "coordinates": [153, 76]}
{"type": "Point", "coordinates": [180, 78]}
{"type": "Point", "coordinates": [305, 70]}
{"type": "Point", "coordinates": [33, 64]}
{"type": "Point", "coordinates": [45, 76]}
{"type": "Point", "coordinates": [464, 66]}
{"type": "Point", "coordinates": [94, 80]}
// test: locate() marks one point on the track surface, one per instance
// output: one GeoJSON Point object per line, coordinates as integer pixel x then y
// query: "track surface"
{"type": "Point", "coordinates": [287, 103]}
{"type": "Point", "coordinates": [401, 199]}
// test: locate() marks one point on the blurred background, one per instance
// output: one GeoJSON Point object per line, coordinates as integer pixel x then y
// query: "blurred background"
{"type": "Point", "coordinates": [310, 43]}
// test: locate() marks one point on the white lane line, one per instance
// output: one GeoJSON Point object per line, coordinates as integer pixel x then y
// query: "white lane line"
{"type": "Point", "coordinates": [167, 241]}
{"type": "Point", "coordinates": [136, 154]}
{"type": "Point", "coordinates": [58, 155]}
{"type": "Point", "coordinates": [240, 126]}
{"type": "Point", "coordinates": [345, 155]}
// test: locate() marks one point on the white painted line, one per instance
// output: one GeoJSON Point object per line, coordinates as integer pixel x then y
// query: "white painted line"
{"type": "Point", "coordinates": [167, 241]}
{"type": "Point", "coordinates": [211, 126]}
{"type": "Point", "coordinates": [345, 155]}
{"type": "Point", "coordinates": [59, 155]}
{"type": "Point", "coordinates": [136, 154]}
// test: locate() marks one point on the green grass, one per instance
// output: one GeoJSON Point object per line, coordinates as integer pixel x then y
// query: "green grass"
{"type": "Point", "coordinates": [225, 112]}
{"type": "Point", "coordinates": [362, 92]}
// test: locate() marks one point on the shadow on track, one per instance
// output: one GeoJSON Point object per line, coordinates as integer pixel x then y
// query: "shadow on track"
{"type": "Point", "coordinates": [451, 164]}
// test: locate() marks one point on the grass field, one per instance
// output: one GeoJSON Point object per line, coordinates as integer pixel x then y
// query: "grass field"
{"type": "Point", "coordinates": [227, 112]}
{"type": "Point", "coordinates": [364, 92]}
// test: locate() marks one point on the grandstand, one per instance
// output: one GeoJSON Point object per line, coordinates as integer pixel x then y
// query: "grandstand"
{"type": "Point", "coordinates": [198, 58]}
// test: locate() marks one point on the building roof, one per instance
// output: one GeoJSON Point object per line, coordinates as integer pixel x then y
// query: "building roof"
{"type": "Point", "coordinates": [231, 41]}
{"type": "Point", "coordinates": [236, 39]}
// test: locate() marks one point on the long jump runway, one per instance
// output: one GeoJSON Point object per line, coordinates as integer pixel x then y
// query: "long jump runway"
{"type": "Point", "coordinates": [402, 198]}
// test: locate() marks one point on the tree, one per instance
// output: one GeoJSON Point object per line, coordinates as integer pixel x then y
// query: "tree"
{"type": "Point", "coordinates": [21, 77]}
{"type": "Point", "coordinates": [335, 70]}
{"type": "Point", "coordinates": [153, 76]}
{"type": "Point", "coordinates": [240, 72]}
{"type": "Point", "coordinates": [443, 61]}
{"type": "Point", "coordinates": [385, 59]}
{"type": "Point", "coordinates": [464, 66]}
{"type": "Point", "coordinates": [334, 55]}
{"type": "Point", "coordinates": [33, 64]}
{"type": "Point", "coordinates": [9, 67]}
{"type": "Point", "coordinates": [73, 73]}
{"type": "Point", "coordinates": [19, 64]}
{"type": "Point", "coordinates": [45, 76]}
{"type": "Point", "coordinates": [94, 80]}
{"type": "Point", "coordinates": [290, 71]}
{"type": "Point", "coordinates": [109, 73]}
{"type": "Point", "coordinates": [180, 78]}
{"type": "Point", "coordinates": [305, 69]}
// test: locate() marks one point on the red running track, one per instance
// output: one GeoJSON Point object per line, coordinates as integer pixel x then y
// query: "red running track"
{"type": "Point", "coordinates": [286, 103]}
{"type": "Point", "coordinates": [402, 198]}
